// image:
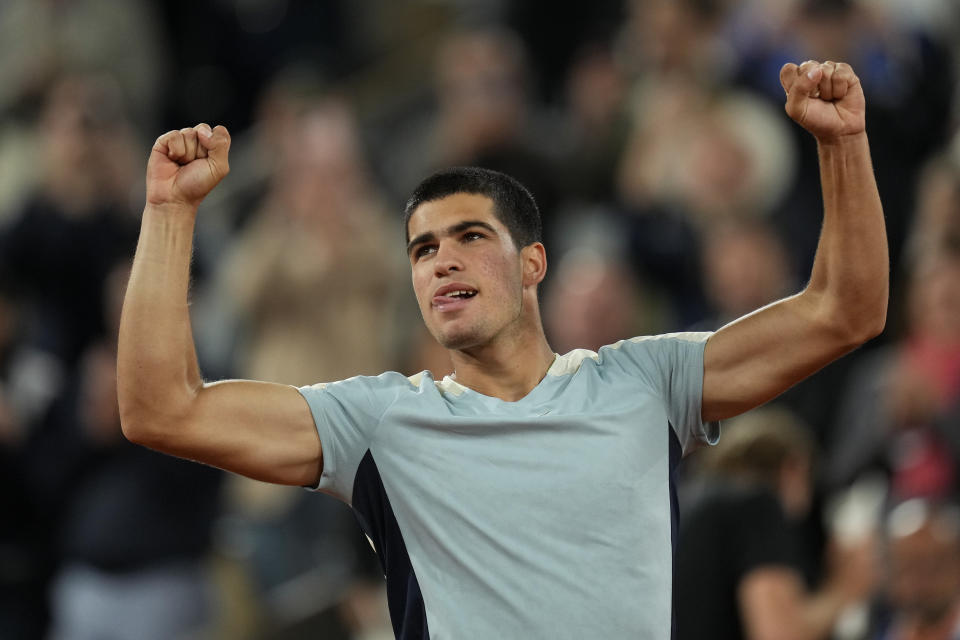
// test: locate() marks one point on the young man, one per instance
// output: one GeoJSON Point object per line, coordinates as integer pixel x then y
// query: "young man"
{"type": "Point", "coordinates": [529, 494]}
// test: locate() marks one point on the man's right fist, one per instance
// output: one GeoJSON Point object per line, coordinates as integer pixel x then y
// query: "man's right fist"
{"type": "Point", "coordinates": [186, 165]}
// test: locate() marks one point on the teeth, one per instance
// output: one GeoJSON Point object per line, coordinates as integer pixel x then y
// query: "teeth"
{"type": "Point", "coordinates": [460, 293]}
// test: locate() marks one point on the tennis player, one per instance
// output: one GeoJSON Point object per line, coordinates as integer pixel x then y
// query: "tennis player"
{"type": "Point", "coordinates": [529, 494]}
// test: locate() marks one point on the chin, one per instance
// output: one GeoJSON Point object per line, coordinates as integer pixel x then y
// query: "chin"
{"type": "Point", "coordinates": [459, 340]}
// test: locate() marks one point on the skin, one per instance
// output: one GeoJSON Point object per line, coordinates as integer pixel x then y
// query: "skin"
{"type": "Point", "coordinates": [265, 431]}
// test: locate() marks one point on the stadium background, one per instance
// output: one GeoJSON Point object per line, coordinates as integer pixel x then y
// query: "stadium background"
{"type": "Point", "coordinates": [674, 190]}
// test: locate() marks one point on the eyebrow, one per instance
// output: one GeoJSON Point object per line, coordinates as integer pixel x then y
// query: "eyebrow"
{"type": "Point", "coordinates": [430, 236]}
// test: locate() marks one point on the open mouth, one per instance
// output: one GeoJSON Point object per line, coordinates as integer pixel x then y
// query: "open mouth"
{"type": "Point", "coordinates": [452, 296]}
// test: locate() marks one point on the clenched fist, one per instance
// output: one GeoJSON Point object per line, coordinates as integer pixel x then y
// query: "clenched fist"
{"type": "Point", "coordinates": [825, 98]}
{"type": "Point", "coordinates": [186, 165]}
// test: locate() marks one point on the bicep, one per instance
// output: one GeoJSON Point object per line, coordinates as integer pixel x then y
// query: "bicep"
{"type": "Point", "coordinates": [260, 430]}
{"type": "Point", "coordinates": [756, 358]}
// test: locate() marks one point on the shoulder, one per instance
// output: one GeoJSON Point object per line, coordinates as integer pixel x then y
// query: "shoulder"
{"type": "Point", "coordinates": [653, 351]}
{"type": "Point", "coordinates": [386, 380]}
{"type": "Point", "coordinates": [664, 340]}
{"type": "Point", "coordinates": [381, 390]}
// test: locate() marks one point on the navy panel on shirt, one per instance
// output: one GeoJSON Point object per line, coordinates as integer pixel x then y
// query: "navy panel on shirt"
{"type": "Point", "coordinates": [372, 508]}
{"type": "Point", "coordinates": [676, 454]}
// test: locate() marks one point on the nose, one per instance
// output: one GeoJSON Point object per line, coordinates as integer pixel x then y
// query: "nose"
{"type": "Point", "coordinates": [447, 259]}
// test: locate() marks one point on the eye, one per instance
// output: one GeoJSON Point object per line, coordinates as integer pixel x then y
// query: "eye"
{"type": "Point", "coordinates": [423, 250]}
{"type": "Point", "coordinates": [472, 235]}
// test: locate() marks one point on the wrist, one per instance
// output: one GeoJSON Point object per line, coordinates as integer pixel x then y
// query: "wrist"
{"type": "Point", "coordinates": [841, 141]}
{"type": "Point", "coordinates": [171, 212]}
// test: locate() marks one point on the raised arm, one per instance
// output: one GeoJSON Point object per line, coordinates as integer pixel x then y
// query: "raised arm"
{"type": "Point", "coordinates": [755, 358]}
{"type": "Point", "coordinates": [261, 430]}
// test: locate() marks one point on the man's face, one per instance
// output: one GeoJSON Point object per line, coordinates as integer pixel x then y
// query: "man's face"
{"type": "Point", "coordinates": [467, 272]}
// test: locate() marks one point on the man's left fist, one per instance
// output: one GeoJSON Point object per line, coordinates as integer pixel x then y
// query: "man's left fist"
{"type": "Point", "coordinates": [825, 98]}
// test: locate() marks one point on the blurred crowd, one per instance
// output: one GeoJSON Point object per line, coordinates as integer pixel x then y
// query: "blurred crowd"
{"type": "Point", "coordinates": [675, 195]}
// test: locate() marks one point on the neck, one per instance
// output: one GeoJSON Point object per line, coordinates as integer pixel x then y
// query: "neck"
{"type": "Point", "coordinates": [508, 369]}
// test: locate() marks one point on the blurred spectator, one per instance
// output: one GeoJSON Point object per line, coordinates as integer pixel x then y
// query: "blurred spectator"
{"type": "Point", "coordinates": [900, 412]}
{"type": "Point", "coordinates": [711, 155]}
{"type": "Point", "coordinates": [595, 127]}
{"type": "Point", "coordinates": [256, 154]}
{"type": "Point", "coordinates": [43, 39]}
{"type": "Point", "coordinates": [483, 91]}
{"type": "Point", "coordinates": [923, 573]}
{"type": "Point", "coordinates": [55, 253]}
{"type": "Point", "coordinates": [663, 38]}
{"type": "Point", "coordinates": [695, 159]}
{"type": "Point", "coordinates": [256, 158]}
{"type": "Point", "coordinates": [484, 117]}
{"type": "Point", "coordinates": [936, 219]}
{"type": "Point", "coordinates": [302, 321]}
{"type": "Point", "coordinates": [321, 218]}
{"type": "Point", "coordinates": [29, 379]}
{"type": "Point", "coordinates": [59, 246]}
{"type": "Point", "coordinates": [133, 526]}
{"type": "Point", "coordinates": [739, 566]}
{"type": "Point", "coordinates": [594, 300]}
{"type": "Point", "coordinates": [745, 267]}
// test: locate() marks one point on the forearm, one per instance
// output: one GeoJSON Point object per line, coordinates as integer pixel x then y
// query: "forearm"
{"type": "Point", "coordinates": [851, 271]}
{"type": "Point", "coordinates": [157, 369]}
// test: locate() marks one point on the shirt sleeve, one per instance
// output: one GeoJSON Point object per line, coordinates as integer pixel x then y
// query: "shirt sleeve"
{"type": "Point", "coordinates": [672, 364]}
{"type": "Point", "coordinates": [347, 414]}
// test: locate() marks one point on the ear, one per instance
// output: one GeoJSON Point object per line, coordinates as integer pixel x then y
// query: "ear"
{"type": "Point", "coordinates": [534, 260]}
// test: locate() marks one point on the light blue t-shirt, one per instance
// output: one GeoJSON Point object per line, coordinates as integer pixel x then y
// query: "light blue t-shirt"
{"type": "Point", "coordinates": [550, 517]}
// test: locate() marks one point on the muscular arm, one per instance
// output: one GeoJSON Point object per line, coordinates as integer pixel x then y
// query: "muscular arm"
{"type": "Point", "coordinates": [261, 430]}
{"type": "Point", "coordinates": [762, 354]}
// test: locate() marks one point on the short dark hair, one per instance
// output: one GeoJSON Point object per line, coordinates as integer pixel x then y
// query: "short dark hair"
{"type": "Point", "coordinates": [513, 204]}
